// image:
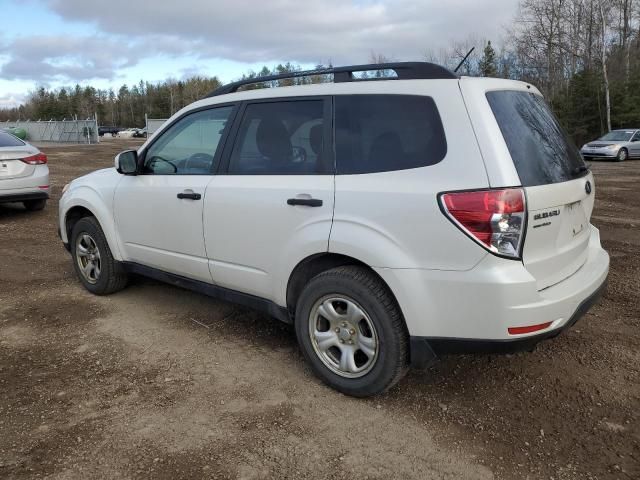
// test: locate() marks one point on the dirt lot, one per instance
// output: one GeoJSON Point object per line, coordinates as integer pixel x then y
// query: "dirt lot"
{"type": "Point", "coordinates": [130, 386]}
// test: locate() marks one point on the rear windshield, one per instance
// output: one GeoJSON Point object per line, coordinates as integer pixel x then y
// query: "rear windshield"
{"type": "Point", "coordinates": [7, 140]}
{"type": "Point", "coordinates": [541, 150]}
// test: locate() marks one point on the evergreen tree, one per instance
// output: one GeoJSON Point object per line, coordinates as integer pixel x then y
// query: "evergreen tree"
{"type": "Point", "coordinates": [487, 65]}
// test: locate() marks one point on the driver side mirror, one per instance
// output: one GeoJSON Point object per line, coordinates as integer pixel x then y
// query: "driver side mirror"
{"type": "Point", "coordinates": [127, 162]}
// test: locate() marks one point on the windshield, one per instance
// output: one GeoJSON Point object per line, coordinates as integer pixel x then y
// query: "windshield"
{"type": "Point", "coordinates": [618, 136]}
{"type": "Point", "coordinates": [541, 150]}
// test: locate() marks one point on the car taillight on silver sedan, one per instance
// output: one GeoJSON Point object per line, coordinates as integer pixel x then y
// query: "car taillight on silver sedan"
{"type": "Point", "coordinates": [493, 218]}
{"type": "Point", "coordinates": [38, 159]}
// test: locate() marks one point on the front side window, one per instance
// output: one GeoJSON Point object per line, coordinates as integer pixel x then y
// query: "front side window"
{"type": "Point", "coordinates": [280, 138]}
{"type": "Point", "coordinates": [636, 137]}
{"type": "Point", "coordinates": [381, 133]}
{"type": "Point", "coordinates": [189, 146]}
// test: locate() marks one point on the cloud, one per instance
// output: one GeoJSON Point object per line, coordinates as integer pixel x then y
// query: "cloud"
{"type": "Point", "coordinates": [301, 31]}
{"type": "Point", "coordinates": [57, 57]}
{"type": "Point", "coordinates": [11, 100]}
{"type": "Point", "coordinates": [245, 31]}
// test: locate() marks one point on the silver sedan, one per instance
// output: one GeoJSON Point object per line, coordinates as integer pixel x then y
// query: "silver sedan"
{"type": "Point", "coordinates": [24, 175]}
{"type": "Point", "coordinates": [616, 145]}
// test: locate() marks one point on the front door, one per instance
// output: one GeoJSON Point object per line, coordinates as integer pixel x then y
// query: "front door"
{"type": "Point", "coordinates": [158, 212]}
{"type": "Point", "coordinates": [273, 203]}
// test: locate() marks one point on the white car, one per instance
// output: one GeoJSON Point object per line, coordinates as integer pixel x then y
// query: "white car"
{"type": "Point", "coordinates": [618, 145]}
{"type": "Point", "coordinates": [24, 175]}
{"type": "Point", "coordinates": [389, 221]}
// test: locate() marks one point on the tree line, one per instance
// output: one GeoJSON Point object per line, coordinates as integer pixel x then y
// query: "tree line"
{"type": "Point", "coordinates": [584, 55]}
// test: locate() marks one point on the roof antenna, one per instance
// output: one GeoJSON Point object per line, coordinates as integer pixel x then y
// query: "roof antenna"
{"type": "Point", "coordinates": [464, 59]}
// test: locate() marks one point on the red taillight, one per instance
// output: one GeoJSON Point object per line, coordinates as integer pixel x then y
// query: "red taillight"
{"type": "Point", "coordinates": [495, 218]}
{"type": "Point", "coordinates": [38, 159]}
{"type": "Point", "coordinates": [528, 329]}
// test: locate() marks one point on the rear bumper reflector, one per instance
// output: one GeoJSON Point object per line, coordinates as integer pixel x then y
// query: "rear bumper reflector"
{"type": "Point", "coordinates": [528, 329]}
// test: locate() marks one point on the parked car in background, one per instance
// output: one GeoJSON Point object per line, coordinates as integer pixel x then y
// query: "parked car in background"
{"type": "Point", "coordinates": [108, 130]}
{"type": "Point", "coordinates": [140, 133]}
{"type": "Point", "coordinates": [390, 222]}
{"type": "Point", "coordinates": [618, 145]}
{"type": "Point", "coordinates": [24, 175]}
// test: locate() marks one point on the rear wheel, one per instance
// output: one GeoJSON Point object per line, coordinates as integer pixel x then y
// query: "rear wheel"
{"type": "Point", "coordinates": [93, 262]}
{"type": "Point", "coordinates": [34, 205]}
{"type": "Point", "coordinates": [351, 331]}
{"type": "Point", "coordinates": [623, 154]}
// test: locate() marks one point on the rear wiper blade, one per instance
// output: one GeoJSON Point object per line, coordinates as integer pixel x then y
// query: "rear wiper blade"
{"type": "Point", "coordinates": [580, 169]}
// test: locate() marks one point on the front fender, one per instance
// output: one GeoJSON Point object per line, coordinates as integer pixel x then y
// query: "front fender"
{"type": "Point", "coordinates": [100, 204]}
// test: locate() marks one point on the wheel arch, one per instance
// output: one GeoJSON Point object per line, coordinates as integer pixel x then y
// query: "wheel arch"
{"type": "Point", "coordinates": [88, 203]}
{"type": "Point", "coordinates": [312, 265]}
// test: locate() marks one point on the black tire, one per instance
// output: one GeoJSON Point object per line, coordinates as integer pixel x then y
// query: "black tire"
{"type": "Point", "coordinates": [374, 298]}
{"type": "Point", "coordinates": [622, 155]}
{"type": "Point", "coordinates": [112, 276]}
{"type": "Point", "coordinates": [34, 205]}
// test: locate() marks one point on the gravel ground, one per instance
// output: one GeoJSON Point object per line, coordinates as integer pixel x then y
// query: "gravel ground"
{"type": "Point", "coordinates": [157, 382]}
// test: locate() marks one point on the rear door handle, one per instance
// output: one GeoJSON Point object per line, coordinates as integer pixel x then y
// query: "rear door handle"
{"type": "Point", "coordinates": [308, 202]}
{"type": "Point", "coordinates": [189, 194]}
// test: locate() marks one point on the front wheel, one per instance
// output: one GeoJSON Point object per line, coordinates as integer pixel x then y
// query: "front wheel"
{"type": "Point", "coordinates": [351, 331]}
{"type": "Point", "coordinates": [622, 155]}
{"type": "Point", "coordinates": [93, 262]}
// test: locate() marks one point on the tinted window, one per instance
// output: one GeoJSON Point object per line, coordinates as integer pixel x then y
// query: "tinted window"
{"type": "Point", "coordinates": [188, 147]}
{"type": "Point", "coordinates": [379, 133]}
{"type": "Point", "coordinates": [7, 140]}
{"type": "Point", "coordinates": [279, 138]}
{"type": "Point", "coordinates": [541, 151]}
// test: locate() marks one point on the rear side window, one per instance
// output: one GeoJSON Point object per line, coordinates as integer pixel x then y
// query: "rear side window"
{"type": "Point", "coordinates": [381, 133]}
{"type": "Point", "coordinates": [541, 150]}
{"type": "Point", "coordinates": [280, 138]}
{"type": "Point", "coordinates": [7, 140]}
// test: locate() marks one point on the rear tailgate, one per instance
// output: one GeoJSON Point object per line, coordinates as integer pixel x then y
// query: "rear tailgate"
{"type": "Point", "coordinates": [11, 167]}
{"type": "Point", "coordinates": [12, 149]}
{"type": "Point", "coordinates": [543, 159]}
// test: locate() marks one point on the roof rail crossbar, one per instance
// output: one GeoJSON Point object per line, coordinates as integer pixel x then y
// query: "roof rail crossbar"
{"type": "Point", "coordinates": [403, 71]}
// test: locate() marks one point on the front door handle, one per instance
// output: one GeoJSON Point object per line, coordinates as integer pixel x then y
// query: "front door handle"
{"type": "Point", "coordinates": [308, 202]}
{"type": "Point", "coordinates": [189, 194]}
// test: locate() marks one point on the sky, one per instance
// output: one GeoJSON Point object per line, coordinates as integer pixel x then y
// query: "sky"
{"type": "Point", "coordinates": [56, 43]}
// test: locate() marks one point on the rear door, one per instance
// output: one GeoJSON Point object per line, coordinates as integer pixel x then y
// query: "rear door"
{"type": "Point", "coordinates": [274, 204]}
{"type": "Point", "coordinates": [559, 188]}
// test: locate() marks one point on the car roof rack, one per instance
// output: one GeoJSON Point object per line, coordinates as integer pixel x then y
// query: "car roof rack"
{"type": "Point", "coordinates": [403, 71]}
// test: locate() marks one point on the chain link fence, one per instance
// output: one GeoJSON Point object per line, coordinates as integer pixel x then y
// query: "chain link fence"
{"type": "Point", "coordinates": [63, 131]}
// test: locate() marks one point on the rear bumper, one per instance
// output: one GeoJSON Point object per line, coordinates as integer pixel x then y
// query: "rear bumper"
{"type": "Point", "coordinates": [424, 349]}
{"type": "Point", "coordinates": [23, 196]}
{"type": "Point", "coordinates": [471, 311]}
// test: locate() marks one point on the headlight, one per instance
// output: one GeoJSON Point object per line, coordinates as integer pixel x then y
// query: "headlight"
{"type": "Point", "coordinates": [613, 147]}
{"type": "Point", "coordinates": [584, 146]}
{"type": "Point", "coordinates": [65, 188]}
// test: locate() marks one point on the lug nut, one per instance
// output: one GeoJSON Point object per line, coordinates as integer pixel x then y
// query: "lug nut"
{"type": "Point", "coordinates": [352, 331]}
{"type": "Point", "coordinates": [341, 341]}
{"type": "Point", "coordinates": [337, 329]}
{"type": "Point", "coordinates": [344, 324]}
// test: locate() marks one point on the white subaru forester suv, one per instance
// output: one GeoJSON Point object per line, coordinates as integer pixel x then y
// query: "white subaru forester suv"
{"type": "Point", "coordinates": [390, 221]}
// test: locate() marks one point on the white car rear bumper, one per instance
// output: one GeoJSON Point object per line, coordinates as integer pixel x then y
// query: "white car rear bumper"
{"type": "Point", "coordinates": [452, 311]}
